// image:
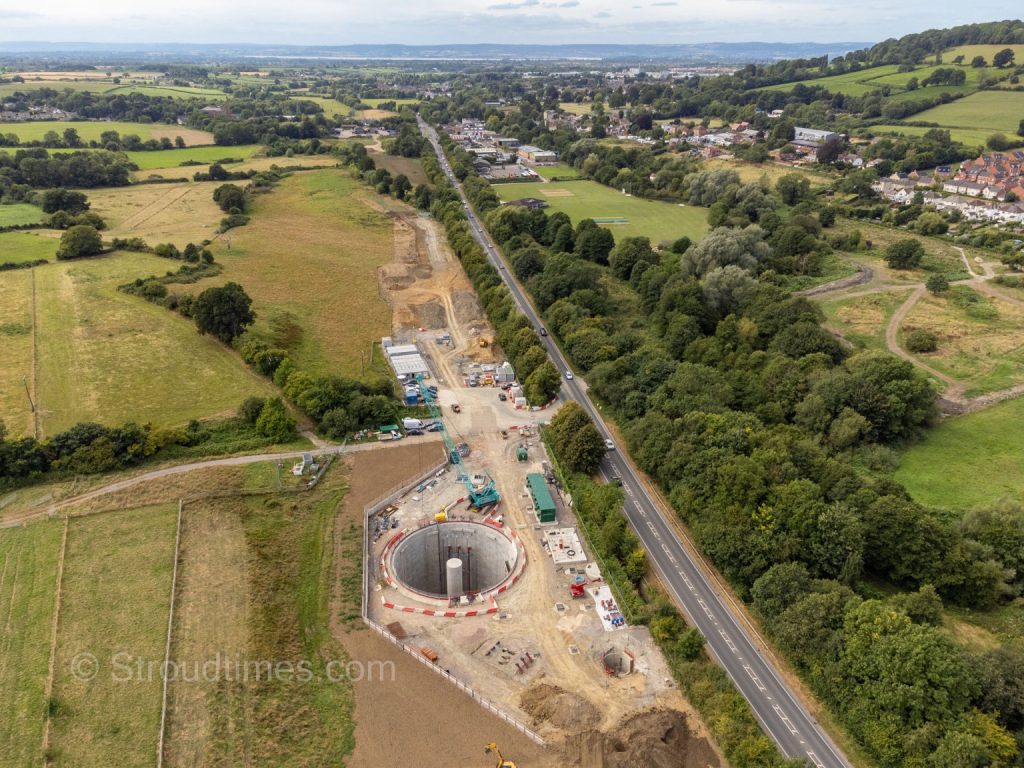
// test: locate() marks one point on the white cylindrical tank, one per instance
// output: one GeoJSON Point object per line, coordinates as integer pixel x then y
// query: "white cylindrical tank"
{"type": "Point", "coordinates": [454, 576]}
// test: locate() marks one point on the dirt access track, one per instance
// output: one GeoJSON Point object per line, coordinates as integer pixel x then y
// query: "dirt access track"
{"type": "Point", "coordinates": [585, 719]}
{"type": "Point", "coordinates": [418, 717]}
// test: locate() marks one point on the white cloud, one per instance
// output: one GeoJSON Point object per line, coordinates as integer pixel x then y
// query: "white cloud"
{"type": "Point", "coordinates": [326, 22]}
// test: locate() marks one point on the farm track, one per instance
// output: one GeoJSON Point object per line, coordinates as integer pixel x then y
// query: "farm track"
{"type": "Point", "coordinates": [38, 513]}
{"type": "Point", "coordinates": [35, 359]}
{"type": "Point", "coordinates": [865, 275]}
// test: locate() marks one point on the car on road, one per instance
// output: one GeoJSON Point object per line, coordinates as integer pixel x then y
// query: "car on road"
{"type": "Point", "coordinates": [543, 331]}
{"type": "Point", "coordinates": [609, 444]}
{"type": "Point", "coordinates": [568, 375]}
{"type": "Point", "coordinates": [502, 396]}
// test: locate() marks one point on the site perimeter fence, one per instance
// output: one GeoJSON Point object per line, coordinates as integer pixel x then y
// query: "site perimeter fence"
{"type": "Point", "coordinates": [368, 511]}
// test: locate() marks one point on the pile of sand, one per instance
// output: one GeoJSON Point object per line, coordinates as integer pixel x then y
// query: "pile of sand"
{"type": "Point", "coordinates": [547, 703]}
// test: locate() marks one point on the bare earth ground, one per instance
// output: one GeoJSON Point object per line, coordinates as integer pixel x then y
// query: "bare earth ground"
{"type": "Point", "coordinates": [418, 718]}
{"type": "Point", "coordinates": [586, 718]}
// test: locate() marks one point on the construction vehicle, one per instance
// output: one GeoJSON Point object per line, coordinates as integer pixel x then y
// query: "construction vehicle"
{"type": "Point", "coordinates": [456, 408]}
{"type": "Point", "coordinates": [482, 342]}
{"type": "Point", "coordinates": [502, 762]}
{"type": "Point", "coordinates": [441, 517]}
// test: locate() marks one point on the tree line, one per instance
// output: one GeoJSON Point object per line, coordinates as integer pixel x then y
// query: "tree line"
{"type": "Point", "coordinates": [767, 437]}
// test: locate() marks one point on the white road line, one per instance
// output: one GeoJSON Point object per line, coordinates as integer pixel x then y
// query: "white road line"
{"type": "Point", "coordinates": [707, 610]}
{"type": "Point", "coordinates": [785, 720]}
{"type": "Point", "coordinates": [814, 759]}
{"type": "Point", "coordinates": [755, 678]}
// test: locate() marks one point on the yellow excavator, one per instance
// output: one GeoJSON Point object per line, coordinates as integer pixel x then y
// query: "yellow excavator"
{"type": "Point", "coordinates": [502, 762]}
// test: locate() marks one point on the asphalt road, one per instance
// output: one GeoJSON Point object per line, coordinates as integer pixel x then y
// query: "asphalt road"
{"type": "Point", "coordinates": [780, 713]}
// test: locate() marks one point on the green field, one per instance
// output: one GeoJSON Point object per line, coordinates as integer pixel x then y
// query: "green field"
{"type": "Point", "coordinates": [91, 130]}
{"type": "Point", "coordinates": [30, 245]}
{"type": "Point", "coordinates": [576, 108]}
{"type": "Point", "coordinates": [850, 83]}
{"type": "Point", "coordinates": [968, 460]}
{"type": "Point", "coordinates": [109, 357]}
{"type": "Point", "coordinates": [17, 214]}
{"type": "Point", "coordinates": [588, 199]}
{"type": "Point", "coordinates": [106, 86]}
{"type": "Point", "coordinates": [309, 259]}
{"type": "Point", "coordinates": [171, 158]}
{"type": "Point", "coordinates": [991, 111]}
{"type": "Point", "coordinates": [867, 80]}
{"type": "Point", "coordinates": [375, 103]}
{"type": "Point", "coordinates": [115, 598]}
{"type": "Point", "coordinates": [28, 560]}
{"type": "Point", "coordinates": [561, 170]}
{"type": "Point", "coordinates": [988, 51]}
{"type": "Point", "coordinates": [969, 136]}
{"type": "Point", "coordinates": [331, 107]}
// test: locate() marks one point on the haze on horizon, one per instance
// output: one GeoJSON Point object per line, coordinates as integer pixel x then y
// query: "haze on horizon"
{"type": "Point", "coordinates": [433, 22]}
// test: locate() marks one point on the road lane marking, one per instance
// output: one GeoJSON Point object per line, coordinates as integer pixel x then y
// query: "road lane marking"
{"type": "Point", "coordinates": [707, 610]}
{"type": "Point", "coordinates": [757, 680]}
{"type": "Point", "coordinates": [785, 720]}
{"type": "Point", "coordinates": [815, 759]}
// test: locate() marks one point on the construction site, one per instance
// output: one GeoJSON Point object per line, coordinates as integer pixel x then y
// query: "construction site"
{"type": "Point", "coordinates": [478, 568]}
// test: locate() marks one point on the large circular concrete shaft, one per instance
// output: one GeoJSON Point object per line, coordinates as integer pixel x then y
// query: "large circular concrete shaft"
{"type": "Point", "coordinates": [449, 559]}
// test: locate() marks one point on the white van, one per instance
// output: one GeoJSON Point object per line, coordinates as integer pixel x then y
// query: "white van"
{"type": "Point", "coordinates": [412, 423]}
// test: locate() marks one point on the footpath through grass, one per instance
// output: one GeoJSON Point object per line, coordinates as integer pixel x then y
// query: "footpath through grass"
{"type": "Point", "coordinates": [968, 460]}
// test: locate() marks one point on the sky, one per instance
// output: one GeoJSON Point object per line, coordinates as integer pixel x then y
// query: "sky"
{"type": "Point", "coordinates": [340, 22]}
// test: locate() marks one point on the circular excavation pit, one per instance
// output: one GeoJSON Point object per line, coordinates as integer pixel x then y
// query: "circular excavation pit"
{"type": "Point", "coordinates": [449, 560]}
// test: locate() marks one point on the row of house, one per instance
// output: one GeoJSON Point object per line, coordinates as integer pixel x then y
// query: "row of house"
{"type": "Point", "coordinates": [992, 176]}
{"type": "Point", "coordinates": [902, 191]}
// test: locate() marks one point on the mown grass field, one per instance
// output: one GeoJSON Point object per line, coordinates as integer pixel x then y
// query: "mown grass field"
{"type": "Point", "coordinates": [19, 213]}
{"type": "Point", "coordinates": [375, 103]}
{"type": "Point", "coordinates": [988, 51]}
{"type": "Point", "coordinates": [849, 83]}
{"type": "Point", "coordinates": [108, 86]}
{"type": "Point", "coordinates": [979, 338]}
{"type": "Point", "coordinates": [20, 246]}
{"type": "Point", "coordinates": [561, 170]}
{"type": "Point", "coordinates": [588, 199]}
{"type": "Point", "coordinates": [968, 460]}
{"type": "Point", "coordinates": [575, 108]}
{"type": "Point", "coordinates": [91, 130]}
{"type": "Point", "coordinates": [969, 136]}
{"type": "Point", "coordinates": [309, 259]}
{"type": "Point", "coordinates": [160, 213]}
{"type": "Point", "coordinates": [109, 357]}
{"type": "Point", "coordinates": [115, 600]}
{"type": "Point", "coordinates": [172, 158]}
{"type": "Point", "coordinates": [331, 107]}
{"type": "Point", "coordinates": [412, 167]}
{"type": "Point", "coordinates": [28, 562]}
{"type": "Point", "coordinates": [270, 558]}
{"type": "Point", "coordinates": [16, 350]}
{"type": "Point", "coordinates": [991, 111]}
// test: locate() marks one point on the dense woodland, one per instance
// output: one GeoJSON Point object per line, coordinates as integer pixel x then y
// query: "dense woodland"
{"type": "Point", "coordinates": [768, 438]}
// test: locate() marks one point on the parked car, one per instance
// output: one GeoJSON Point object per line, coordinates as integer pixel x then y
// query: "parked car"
{"type": "Point", "coordinates": [502, 396]}
{"type": "Point", "coordinates": [411, 432]}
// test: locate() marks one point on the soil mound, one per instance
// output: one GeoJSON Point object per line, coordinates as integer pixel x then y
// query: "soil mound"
{"type": "Point", "coordinates": [656, 738]}
{"type": "Point", "coordinates": [547, 703]}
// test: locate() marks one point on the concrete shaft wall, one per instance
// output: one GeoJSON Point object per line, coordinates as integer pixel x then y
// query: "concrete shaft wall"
{"type": "Point", "coordinates": [419, 560]}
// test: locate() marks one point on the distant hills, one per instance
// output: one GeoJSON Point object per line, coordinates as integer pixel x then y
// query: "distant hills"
{"type": "Point", "coordinates": [696, 53]}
